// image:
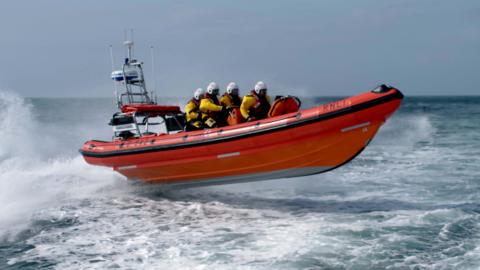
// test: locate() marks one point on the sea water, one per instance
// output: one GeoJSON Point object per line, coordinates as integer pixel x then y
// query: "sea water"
{"type": "Point", "coordinates": [411, 200]}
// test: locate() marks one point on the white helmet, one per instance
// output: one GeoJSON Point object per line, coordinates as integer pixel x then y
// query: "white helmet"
{"type": "Point", "coordinates": [260, 86]}
{"type": "Point", "coordinates": [198, 93]}
{"type": "Point", "coordinates": [212, 88]}
{"type": "Point", "coordinates": [231, 87]}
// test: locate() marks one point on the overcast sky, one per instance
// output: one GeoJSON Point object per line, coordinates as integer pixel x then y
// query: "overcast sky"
{"type": "Point", "coordinates": [60, 48]}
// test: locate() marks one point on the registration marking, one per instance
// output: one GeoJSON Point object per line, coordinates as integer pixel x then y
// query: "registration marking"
{"type": "Point", "coordinates": [355, 126]}
{"type": "Point", "coordinates": [233, 154]}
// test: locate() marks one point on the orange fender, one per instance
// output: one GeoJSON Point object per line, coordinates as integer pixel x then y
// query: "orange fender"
{"type": "Point", "coordinates": [284, 105]}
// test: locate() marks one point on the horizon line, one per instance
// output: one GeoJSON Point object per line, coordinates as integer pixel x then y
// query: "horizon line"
{"type": "Point", "coordinates": [326, 96]}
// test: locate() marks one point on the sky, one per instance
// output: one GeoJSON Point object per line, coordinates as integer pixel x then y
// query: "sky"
{"type": "Point", "coordinates": [303, 47]}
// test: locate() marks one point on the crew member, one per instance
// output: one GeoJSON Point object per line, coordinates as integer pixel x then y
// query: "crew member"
{"type": "Point", "coordinates": [192, 111]}
{"type": "Point", "coordinates": [231, 98]}
{"type": "Point", "coordinates": [212, 112]}
{"type": "Point", "coordinates": [256, 105]}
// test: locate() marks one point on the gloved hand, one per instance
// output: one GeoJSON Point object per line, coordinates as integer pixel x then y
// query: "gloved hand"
{"type": "Point", "coordinates": [224, 110]}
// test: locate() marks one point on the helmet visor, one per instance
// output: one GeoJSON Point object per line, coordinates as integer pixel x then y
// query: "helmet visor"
{"type": "Point", "coordinates": [234, 92]}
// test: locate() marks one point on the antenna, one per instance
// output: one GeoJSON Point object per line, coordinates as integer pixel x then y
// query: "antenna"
{"type": "Point", "coordinates": [129, 44]}
{"type": "Point", "coordinates": [153, 69]}
{"type": "Point", "coordinates": [131, 35]}
{"type": "Point", "coordinates": [111, 57]}
{"type": "Point", "coordinates": [113, 68]}
{"type": "Point", "coordinates": [125, 38]}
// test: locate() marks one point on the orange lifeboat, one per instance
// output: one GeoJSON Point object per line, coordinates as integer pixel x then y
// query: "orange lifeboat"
{"type": "Point", "coordinates": [298, 143]}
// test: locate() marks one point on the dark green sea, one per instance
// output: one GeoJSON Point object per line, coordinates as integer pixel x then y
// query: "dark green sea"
{"type": "Point", "coordinates": [411, 200]}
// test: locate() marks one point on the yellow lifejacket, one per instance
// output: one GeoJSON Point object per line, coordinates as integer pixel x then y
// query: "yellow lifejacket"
{"type": "Point", "coordinates": [255, 106]}
{"type": "Point", "coordinates": [192, 110]}
{"type": "Point", "coordinates": [210, 111]}
{"type": "Point", "coordinates": [230, 101]}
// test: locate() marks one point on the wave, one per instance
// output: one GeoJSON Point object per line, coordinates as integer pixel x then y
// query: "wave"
{"type": "Point", "coordinates": [406, 131]}
{"type": "Point", "coordinates": [31, 177]}
{"type": "Point", "coordinates": [16, 126]}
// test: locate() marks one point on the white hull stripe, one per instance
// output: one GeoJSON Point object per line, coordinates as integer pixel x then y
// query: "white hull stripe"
{"type": "Point", "coordinates": [355, 126]}
{"type": "Point", "coordinates": [228, 155]}
{"type": "Point", "coordinates": [127, 167]}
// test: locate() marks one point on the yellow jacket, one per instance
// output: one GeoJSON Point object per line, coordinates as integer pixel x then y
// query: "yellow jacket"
{"type": "Point", "coordinates": [207, 107]}
{"type": "Point", "coordinates": [192, 111]}
{"type": "Point", "coordinates": [250, 105]}
{"type": "Point", "coordinates": [227, 101]}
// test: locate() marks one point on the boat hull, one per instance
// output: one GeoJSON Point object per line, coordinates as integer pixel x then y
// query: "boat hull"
{"type": "Point", "coordinates": [309, 142]}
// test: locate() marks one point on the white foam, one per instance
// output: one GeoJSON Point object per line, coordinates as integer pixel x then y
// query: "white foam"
{"type": "Point", "coordinates": [29, 182]}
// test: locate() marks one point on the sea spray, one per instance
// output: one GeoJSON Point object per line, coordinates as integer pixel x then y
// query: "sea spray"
{"type": "Point", "coordinates": [16, 127]}
{"type": "Point", "coordinates": [31, 180]}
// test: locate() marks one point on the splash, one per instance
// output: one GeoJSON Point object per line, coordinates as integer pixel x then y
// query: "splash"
{"type": "Point", "coordinates": [16, 126]}
{"type": "Point", "coordinates": [406, 131]}
{"type": "Point", "coordinates": [31, 181]}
